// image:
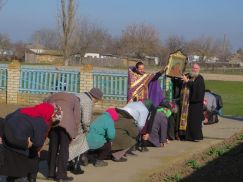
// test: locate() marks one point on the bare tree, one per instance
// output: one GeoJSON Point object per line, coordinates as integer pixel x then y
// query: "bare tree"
{"type": "Point", "coordinates": [46, 38]}
{"type": "Point", "coordinates": [171, 44]}
{"type": "Point", "coordinates": [19, 50]}
{"type": "Point", "coordinates": [224, 49]}
{"type": "Point", "coordinates": [2, 3]}
{"type": "Point", "coordinates": [5, 42]}
{"type": "Point", "coordinates": [5, 47]}
{"type": "Point", "coordinates": [174, 43]}
{"type": "Point", "coordinates": [67, 22]}
{"type": "Point", "coordinates": [81, 37]}
{"type": "Point", "coordinates": [91, 38]}
{"type": "Point", "coordinates": [240, 51]}
{"type": "Point", "coordinates": [205, 47]}
{"type": "Point", "coordinates": [140, 40]}
{"type": "Point", "coordinates": [101, 39]}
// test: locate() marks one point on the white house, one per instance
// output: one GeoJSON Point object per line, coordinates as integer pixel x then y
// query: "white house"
{"type": "Point", "coordinates": [213, 59]}
{"type": "Point", "coordinates": [236, 59]}
{"type": "Point", "coordinates": [193, 58]}
{"type": "Point", "coordinates": [92, 55]}
{"type": "Point", "coordinates": [6, 52]}
{"type": "Point", "coordinates": [155, 59]}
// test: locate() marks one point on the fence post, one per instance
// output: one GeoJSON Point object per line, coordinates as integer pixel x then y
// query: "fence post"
{"type": "Point", "coordinates": [13, 82]}
{"type": "Point", "coordinates": [86, 78]}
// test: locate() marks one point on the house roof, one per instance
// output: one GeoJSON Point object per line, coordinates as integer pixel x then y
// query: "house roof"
{"type": "Point", "coordinates": [236, 58]}
{"type": "Point", "coordinates": [46, 52]}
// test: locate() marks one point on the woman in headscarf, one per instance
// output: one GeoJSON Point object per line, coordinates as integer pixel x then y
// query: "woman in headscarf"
{"type": "Point", "coordinates": [63, 134]}
{"type": "Point", "coordinates": [157, 137]}
{"type": "Point", "coordinates": [24, 134]}
{"type": "Point", "coordinates": [140, 111]}
{"type": "Point", "coordinates": [101, 133]}
{"type": "Point", "coordinates": [126, 135]}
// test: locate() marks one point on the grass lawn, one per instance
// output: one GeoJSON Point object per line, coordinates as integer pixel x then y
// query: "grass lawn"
{"type": "Point", "coordinates": [220, 162]}
{"type": "Point", "coordinates": [232, 94]}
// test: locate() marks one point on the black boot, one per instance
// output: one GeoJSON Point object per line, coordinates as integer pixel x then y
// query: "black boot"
{"type": "Point", "coordinates": [144, 147]}
{"type": "Point", "coordinates": [11, 179]}
{"type": "Point", "coordinates": [84, 161]}
{"type": "Point", "coordinates": [32, 177]}
{"type": "Point", "coordinates": [77, 170]}
{"type": "Point", "coordinates": [70, 165]}
{"type": "Point", "coordinates": [75, 167]}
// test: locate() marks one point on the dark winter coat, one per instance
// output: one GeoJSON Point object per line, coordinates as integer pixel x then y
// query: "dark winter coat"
{"type": "Point", "coordinates": [126, 133]}
{"type": "Point", "coordinates": [18, 127]}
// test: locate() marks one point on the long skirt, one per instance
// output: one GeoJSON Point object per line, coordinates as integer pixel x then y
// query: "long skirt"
{"type": "Point", "coordinates": [15, 164]}
{"type": "Point", "coordinates": [78, 146]}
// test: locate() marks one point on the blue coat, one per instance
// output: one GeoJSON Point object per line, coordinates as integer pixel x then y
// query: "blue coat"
{"type": "Point", "coordinates": [101, 130]}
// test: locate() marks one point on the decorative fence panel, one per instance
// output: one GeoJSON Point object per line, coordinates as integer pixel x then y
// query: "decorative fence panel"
{"type": "Point", "coordinates": [3, 76]}
{"type": "Point", "coordinates": [41, 80]}
{"type": "Point", "coordinates": [114, 85]}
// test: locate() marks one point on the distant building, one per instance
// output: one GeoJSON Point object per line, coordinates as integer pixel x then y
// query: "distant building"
{"type": "Point", "coordinates": [153, 60]}
{"type": "Point", "coordinates": [6, 54]}
{"type": "Point", "coordinates": [43, 56]}
{"type": "Point", "coordinates": [213, 59]}
{"type": "Point", "coordinates": [109, 56]}
{"type": "Point", "coordinates": [236, 59]}
{"type": "Point", "coordinates": [92, 55]}
{"type": "Point", "coordinates": [194, 59]}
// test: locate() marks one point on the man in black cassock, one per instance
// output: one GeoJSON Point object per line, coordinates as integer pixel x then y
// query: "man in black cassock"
{"type": "Point", "coordinates": [196, 85]}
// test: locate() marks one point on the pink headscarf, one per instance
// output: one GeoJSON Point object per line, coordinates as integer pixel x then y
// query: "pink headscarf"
{"type": "Point", "coordinates": [114, 115]}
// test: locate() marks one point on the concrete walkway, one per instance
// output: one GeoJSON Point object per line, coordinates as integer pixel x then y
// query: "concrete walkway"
{"type": "Point", "coordinates": [157, 159]}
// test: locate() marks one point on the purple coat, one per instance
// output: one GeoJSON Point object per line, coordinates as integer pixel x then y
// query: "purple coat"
{"type": "Point", "coordinates": [158, 134]}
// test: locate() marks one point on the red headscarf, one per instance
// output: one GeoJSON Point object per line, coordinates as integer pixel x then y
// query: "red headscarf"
{"type": "Point", "coordinates": [114, 115]}
{"type": "Point", "coordinates": [44, 110]}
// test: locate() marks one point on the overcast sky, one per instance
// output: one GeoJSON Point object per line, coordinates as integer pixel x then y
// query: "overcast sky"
{"type": "Point", "coordinates": [187, 18]}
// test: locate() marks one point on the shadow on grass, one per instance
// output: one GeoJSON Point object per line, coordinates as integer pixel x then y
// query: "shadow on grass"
{"type": "Point", "coordinates": [227, 168]}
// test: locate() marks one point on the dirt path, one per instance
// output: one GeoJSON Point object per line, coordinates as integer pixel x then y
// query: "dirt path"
{"type": "Point", "coordinates": [222, 77]}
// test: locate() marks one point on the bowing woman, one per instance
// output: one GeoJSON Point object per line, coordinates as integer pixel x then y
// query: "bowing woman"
{"type": "Point", "coordinates": [23, 135]}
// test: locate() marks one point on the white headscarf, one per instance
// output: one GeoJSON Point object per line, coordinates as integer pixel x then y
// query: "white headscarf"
{"type": "Point", "coordinates": [138, 111]}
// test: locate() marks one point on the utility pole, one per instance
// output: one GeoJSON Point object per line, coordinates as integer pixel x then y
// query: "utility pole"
{"type": "Point", "coordinates": [224, 48]}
